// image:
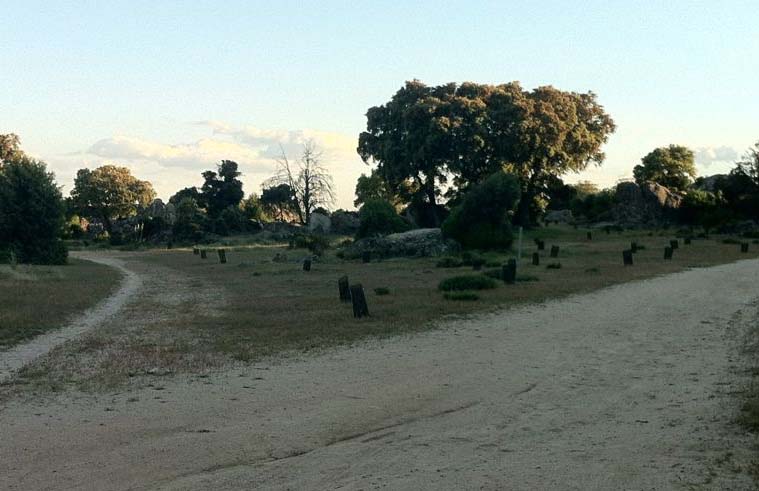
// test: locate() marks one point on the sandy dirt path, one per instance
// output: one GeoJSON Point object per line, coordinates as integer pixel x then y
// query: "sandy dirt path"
{"type": "Point", "coordinates": [15, 358]}
{"type": "Point", "coordinates": [625, 388]}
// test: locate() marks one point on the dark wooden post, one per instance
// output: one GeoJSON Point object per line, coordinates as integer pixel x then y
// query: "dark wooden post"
{"type": "Point", "coordinates": [744, 246]}
{"type": "Point", "coordinates": [344, 289]}
{"type": "Point", "coordinates": [307, 265]}
{"type": "Point", "coordinates": [195, 251]}
{"type": "Point", "coordinates": [203, 254]}
{"type": "Point", "coordinates": [627, 257]}
{"type": "Point", "coordinates": [222, 255]}
{"type": "Point", "coordinates": [510, 272]}
{"type": "Point", "coordinates": [674, 244]}
{"type": "Point", "coordinates": [686, 241]}
{"type": "Point", "coordinates": [668, 253]}
{"type": "Point", "coordinates": [607, 229]}
{"type": "Point", "coordinates": [169, 244]}
{"type": "Point", "coordinates": [366, 256]}
{"type": "Point", "coordinates": [541, 244]}
{"type": "Point", "coordinates": [358, 299]}
{"type": "Point", "coordinates": [535, 259]}
{"type": "Point", "coordinates": [633, 247]}
{"type": "Point", "coordinates": [589, 235]}
{"type": "Point", "coordinates": [555, 251]}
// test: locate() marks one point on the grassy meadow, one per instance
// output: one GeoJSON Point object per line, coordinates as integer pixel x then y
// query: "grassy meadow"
{"type": "Point", "coordinates": [35, 299]}
{"type": "Point", "coordinates": [253, 307]}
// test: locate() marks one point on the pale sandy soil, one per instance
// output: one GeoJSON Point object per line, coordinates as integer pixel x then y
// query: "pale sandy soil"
{"type": "Point", "coordinates": [13, 359]}
{"type": "Point", "coordinates": [631, 387]}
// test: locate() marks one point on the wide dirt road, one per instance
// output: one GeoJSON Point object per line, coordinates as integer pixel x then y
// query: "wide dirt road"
{"type": "Point", "coordinates": [624, 388]}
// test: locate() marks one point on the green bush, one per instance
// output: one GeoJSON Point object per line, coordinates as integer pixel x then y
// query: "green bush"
{"type": "Point", "coordinates": [31, 212]}
{"type": "Point", "coordinates": [481, 221]}
{"type": "Point", "coordinates": [467, 282]}
{"type": "Point", "coordinates": [461, 296]}
{"type": "Point", "coordinates": [315, 243]}
{"type": "Point", "coordinates": [378, 217]}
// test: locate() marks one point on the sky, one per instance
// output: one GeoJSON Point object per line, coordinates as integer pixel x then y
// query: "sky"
{"type": "Point", "coordinates": [170, 88]}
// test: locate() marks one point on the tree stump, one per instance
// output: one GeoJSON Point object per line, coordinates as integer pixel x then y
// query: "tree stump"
{"type": "Point", "coordinates": [674, 244]}
{"type": "Point", "coordinates": [195, 251]}
{"type": "Point", "coordinates": [541, 244]}
{"type": "Point", "coordinates": [627, 257]}
{"type": "Point", "coordinates": [633, 247]}
{"type": "Point", "coordinates": [535, 259]}
{"type": "Point", "coordinates": [222, 256]}
{"type": "Point", "coordinates": [555, 251]}
{"type": "Point", "coordinates": [607, 229]}
{"type": "Point", "coordinates": [686, 241]}
{"type": "Point", "coordinates": [358, 299]}
{"type": "Point", "coordinates": [667, 253]}
{"type": "Point", "coordinates": [344, 289]}
{"type": "Point", "coordinates": [366, 256]}
{"type": "Point", "coordinates": [307, 265]}
{"type": "Point", "coordinates": [510, 272]}
{"type": "Point", "coordinates": [589, 235]}
{"type": "Point", "coordinates": [169, 245]}
{"type": "Point", "coordinates": [744, 246]}
{"type": "Point", "coordinates": [202, 254]}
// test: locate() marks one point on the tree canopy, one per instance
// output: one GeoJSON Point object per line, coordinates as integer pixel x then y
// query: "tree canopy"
{"type": "Point", "coordinates": [110, 193]}
{"type": "Point", "coordinates": [31, 212]}
{"type": "Point", "coordinates": [673, 167]}
{"type": "Point", "coordinates": [221, 189]}
{"type": "Point", "coordinates": [459, 134]}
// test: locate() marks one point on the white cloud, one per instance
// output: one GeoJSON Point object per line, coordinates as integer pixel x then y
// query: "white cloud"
{"type": "Point", "coordinates": [706, 156]}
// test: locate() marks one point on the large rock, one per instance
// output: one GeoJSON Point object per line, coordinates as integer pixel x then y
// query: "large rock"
{"type": "Point", "coordinates": [558, 216]}
{"type": "Point", "coordinates": [648, 204]}
{"type": "Point", "coordinates": [319, 223]}
{"type": "Point", "coordinates": [421, 242]}
{"type": "Point", "coordinates": [345, 222]}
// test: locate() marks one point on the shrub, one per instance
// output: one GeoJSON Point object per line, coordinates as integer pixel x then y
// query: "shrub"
{"type": "Point", "coordinates": [31, 212]}
{"type": "Point", "coordinates": [382, 291]}
{"type": "Point", "coordinates": [481, 220]}
{"type": "Point", "coordinates": [554, 266]}
{"type": "Point", "coordinates": [496, 274]}
{"type": "Point", "coordinates": [315, 243]}
{"type": "Point", "coordinates": [467, 282]}
{"type": "Point", "coordinates": [378, 217]}
{"type": "Point", "coordinates": [449, 262]}
{"type": "Point", "coordinates": [461, 296]}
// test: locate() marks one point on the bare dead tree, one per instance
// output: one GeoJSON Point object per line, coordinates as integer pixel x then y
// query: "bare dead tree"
{"type": "Point", "coordinates": [310, 181]}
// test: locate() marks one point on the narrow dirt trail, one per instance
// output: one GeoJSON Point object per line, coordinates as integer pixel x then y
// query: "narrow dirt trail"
{"type": "Point", "coordinates": [625, 388]}
{"type": "Point", "coordinates": [15, 358]}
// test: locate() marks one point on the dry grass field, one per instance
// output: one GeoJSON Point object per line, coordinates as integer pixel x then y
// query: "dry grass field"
{"type": "Point", "coordinates": [34, 299]}
{"type": "Point", "coordinates": [197, 314]}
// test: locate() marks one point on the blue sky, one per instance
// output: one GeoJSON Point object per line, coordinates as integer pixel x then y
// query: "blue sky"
{"type": "Point", "coordinates": [168, 87]}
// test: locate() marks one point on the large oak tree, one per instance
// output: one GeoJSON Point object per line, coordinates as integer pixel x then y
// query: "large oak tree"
{"type": "Point", "coordinates": [450, 137]}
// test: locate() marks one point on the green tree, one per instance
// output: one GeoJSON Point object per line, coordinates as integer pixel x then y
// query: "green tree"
{"type": "Point", "coordinates": [378, 217]}
{"type": "Point", "coordinates": [430, 134]}
{"type": "Point", "coordinates": [110, 193]}
{"type": "Point", "coordinates": [749, 166]}
{"type": "Point", "coordinates": [374, 187]}
{"type": "Point", "coordinates": [278, 201]}
{"type": "Point", "coordinates": [190, 221]}
{"type": "Point", "coordinates": [191, 192]}
{"type": "Point", "coordinates": [9, 147]}
{"type": "Point", "coordinates": [673, 167]}
{"type": "Point", "coordinates": [252, 208]}
{"type": "Point", "coordinates": [482, 219]}
{"type": "Point", "coordinates": [31, 212]}
{"type": "Point", "coordinates": [586, 188]}
{"type": "Point", "coordinates": [221, 189]}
